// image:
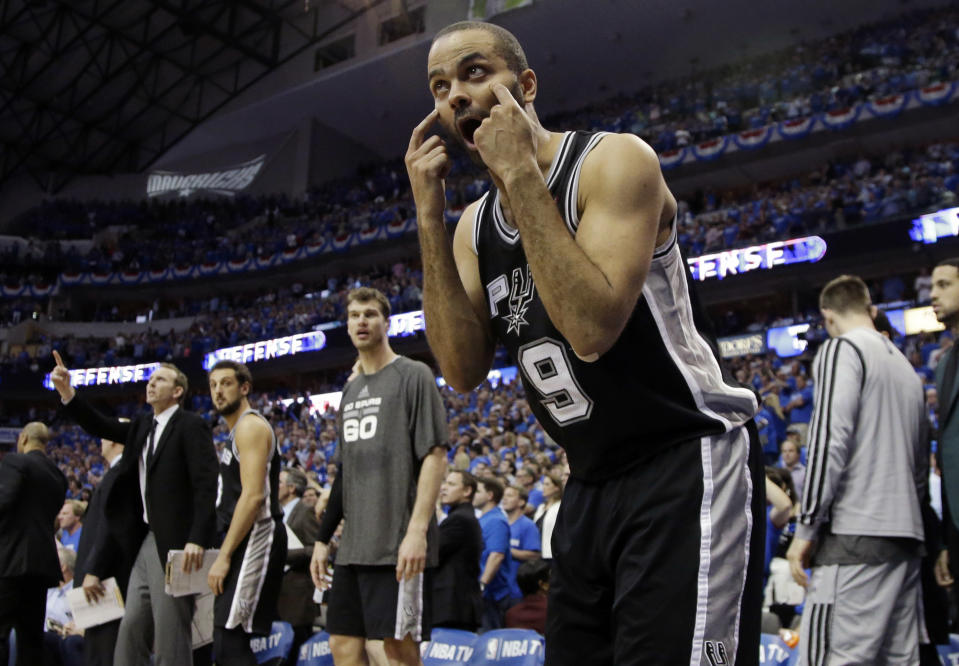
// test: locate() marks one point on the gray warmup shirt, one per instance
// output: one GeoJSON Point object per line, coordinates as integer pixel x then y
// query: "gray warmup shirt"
{"type": "Point", "coordinates": [389, 421]}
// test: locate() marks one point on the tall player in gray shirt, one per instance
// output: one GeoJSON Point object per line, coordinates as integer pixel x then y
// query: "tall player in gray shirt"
{"type": "Point", "coordinates": [860, 525]}
{"type": "Point", "coordinates": [393, 437]}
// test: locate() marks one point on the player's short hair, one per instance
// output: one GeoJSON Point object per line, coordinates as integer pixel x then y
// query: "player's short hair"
{"type": "Point", "coordinates": [952, 261]}
{"type": "Point", "coordinates": [493, 486]}
{"type": "Point", "coordinates": [530, 574]}
{"type": "Point", "coordinates": [366, 294]}
{"type": "Point", "coordinates": [297, 479]}
{"type": "Point", "coordinates": [845, 294]}
{"type": "Point", "coordinates": [469, 481]}
{"type": "Point", "coordinates": [507, 46]}
{"type": "Point", "coordinates": [243, 374]}
{"type": "Point", "coordinates": [179, 380]}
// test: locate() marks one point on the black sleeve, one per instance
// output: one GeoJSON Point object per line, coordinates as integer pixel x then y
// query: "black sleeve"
{"type": "Point", "coordinates": [96, 423]}
{"type": "Point", "coordinates": [11, 481]}
{"type": "Point", "coordinates": [334, 509]}
{"type": "Point", "coordinates": [204, 471]}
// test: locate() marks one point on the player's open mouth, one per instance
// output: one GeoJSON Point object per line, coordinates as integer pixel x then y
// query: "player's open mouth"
{"type": "Point", "coordinates": [467, 127]}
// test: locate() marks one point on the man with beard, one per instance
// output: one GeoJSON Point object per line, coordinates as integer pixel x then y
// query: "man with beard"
{"type": "Point", "coordinates": [571, 261]}
{"type": "Point", "coordinates": [945, 303]}
{"type": "Point", "coordinates": [247, 572]}
{"type": "Point", "coordinates": [393, 454]}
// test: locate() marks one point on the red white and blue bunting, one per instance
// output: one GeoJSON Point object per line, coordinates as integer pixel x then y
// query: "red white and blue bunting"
{"type": "Point", "coordinates": [798, 128]}
{"type": "Point", "coordinates": [711, 150]}
{"type": "Point", "coordinates": [754, 138]}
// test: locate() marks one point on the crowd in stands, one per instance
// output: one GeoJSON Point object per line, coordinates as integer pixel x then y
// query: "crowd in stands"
{"type": "Point", "coordinates": [891, 56]}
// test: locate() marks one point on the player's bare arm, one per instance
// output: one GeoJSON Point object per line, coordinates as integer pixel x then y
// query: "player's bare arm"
{"type": "Point", "coordinates": [589, 284]}
{"type": "Point", "coordinates": [253, 440]}
{"type": "Point", "coordinates": [453, 304]}
{"type": "Point", "coordinates": [411, 558]}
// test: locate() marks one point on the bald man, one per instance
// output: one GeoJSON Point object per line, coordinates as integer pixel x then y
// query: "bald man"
{"type": "Point", "coordinates": [32, 490]}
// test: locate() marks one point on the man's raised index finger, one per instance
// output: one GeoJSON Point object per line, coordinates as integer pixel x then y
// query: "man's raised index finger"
{"type": "Point", "coordinates": [503, 94]}
{"type": "Point", "coordinates": [416, 139]}
{"type": "Point", "coordinates": [56, 357]}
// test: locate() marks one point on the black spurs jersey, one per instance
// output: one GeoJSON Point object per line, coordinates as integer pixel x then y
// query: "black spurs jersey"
{"type": "Point", "coordinates": [230, 486]}
{"type": "Point", "coordinates": [661, 383]}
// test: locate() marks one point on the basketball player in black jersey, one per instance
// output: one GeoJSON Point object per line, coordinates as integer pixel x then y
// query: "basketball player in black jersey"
{"type": "Point", "coordinates": [571, 262]}
{"type": "Point", "coordinates": [247, 573]}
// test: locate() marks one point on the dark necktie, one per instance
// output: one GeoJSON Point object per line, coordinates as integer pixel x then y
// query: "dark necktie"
{"type": "Point", "coordinates": [151, 442]}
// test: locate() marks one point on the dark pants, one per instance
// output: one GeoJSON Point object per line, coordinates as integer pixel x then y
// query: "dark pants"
{"type": "Point", "coordinates": [99, 643]}
{"type": "Point", "coordinates": [23, 603]}
{"type": "Point", "coordinates": [494, 613]}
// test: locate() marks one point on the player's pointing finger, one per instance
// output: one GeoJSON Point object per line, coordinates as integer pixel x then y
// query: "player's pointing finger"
{"type": "Point", "coordinates": [416, 139]}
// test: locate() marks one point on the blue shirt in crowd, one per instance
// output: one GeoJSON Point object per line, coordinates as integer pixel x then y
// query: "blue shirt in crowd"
{"type": "Point", "coordinates": [496, 537]}
{"type": "Point", "coordinates": [523, 535]}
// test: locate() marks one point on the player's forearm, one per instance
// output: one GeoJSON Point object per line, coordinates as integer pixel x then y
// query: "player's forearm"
{"type": "Point", "coordinates": [456, 337]}
{"type": "Point", "coordinates": [244, 515]}
{"type": "Point", "coordinates": [493, 562]}
{"type": "Point", "coordinates": [427, 490]}
{"type": "Point", "coordinates": [576, 293]}
{"type": "Point", "coordinates": [524, 555]}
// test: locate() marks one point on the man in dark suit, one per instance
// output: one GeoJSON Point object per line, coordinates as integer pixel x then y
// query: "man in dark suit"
{"type": "Point", "coordinates": [162, 499]}
{"type": "Point", "coordinates": [945, 303]}
{"type": "Point", "coordinates": [98, 545]}
{"type": "Point", "coordinates": [32, 491]}
{"type": "Point", "coordinates": [457, 600]}
{"type": "Point", "coordinates": [296, 594]}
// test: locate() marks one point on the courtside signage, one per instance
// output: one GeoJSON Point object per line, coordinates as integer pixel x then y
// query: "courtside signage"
{"type": "Point", "coordinates": [931, 227]}
{"type": "Point", "coordinates": [756, 257]}
{"type": "Point", "coordinates": [268, 349]}
{"type": "Point", "coordinates": [116, 374]}
{"type": "Point", "coordinates": [226, 182]}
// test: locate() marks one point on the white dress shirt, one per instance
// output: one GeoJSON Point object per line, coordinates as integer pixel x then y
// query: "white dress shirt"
{"type": "Point", "coordinates": [162, 419]}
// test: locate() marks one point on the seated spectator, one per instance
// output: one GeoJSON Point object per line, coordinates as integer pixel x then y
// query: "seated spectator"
{"type": "Point", "coordinates": [63, 642]}
{"type": "Point", "coordinates": [530, 613]}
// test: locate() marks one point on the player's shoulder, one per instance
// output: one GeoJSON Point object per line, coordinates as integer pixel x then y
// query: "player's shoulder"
{"type": "Point", "coordinates": [252, 423]}
{"type": "Point", "coordinates": [614, 150]}
{"type": "Point", "coordinates": [465, 227]}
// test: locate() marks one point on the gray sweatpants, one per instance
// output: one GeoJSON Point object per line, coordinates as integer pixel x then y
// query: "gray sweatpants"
{"type": "Point", "coordinates": [867, 614]}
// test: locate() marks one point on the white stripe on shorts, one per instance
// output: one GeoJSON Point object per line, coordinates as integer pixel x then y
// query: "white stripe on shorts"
{"type": "Point", "coordinates": [726, 525]}
{"type": "Point", "coordinates": [409, 609]}
{"type": "Point", "coordinates": [256, 559]}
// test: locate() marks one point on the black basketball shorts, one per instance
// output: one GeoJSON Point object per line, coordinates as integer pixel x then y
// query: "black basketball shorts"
{"type": "Point", "coordinates": [367, 601]}
{"type": "Point", "coordinates": [663, 564]}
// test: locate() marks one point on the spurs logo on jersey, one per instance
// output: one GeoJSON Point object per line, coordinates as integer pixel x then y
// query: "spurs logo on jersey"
{"type": "Point", "coordinates": [521, 290]}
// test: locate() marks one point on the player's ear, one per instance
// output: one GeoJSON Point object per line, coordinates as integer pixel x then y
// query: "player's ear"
{"type": "Point", "coordinates": [527, 83]}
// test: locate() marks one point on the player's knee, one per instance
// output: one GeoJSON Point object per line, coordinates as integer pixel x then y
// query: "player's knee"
{"type": "Point", "coordinates": [347, 649]}
{"type": "Point", "coordinates": [406, 651]}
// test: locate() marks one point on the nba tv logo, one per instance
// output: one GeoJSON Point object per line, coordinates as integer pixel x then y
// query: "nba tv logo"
{"type": "Point", "coordinates": [716, 653]}
{"type": "Point", "coordinates": [492, 648]}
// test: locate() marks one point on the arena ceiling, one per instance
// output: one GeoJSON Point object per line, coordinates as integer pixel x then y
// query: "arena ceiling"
{"type": "Point", "coordinates": [106, 86]}
{"type": "Point", "coordinates": [109, 86]}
